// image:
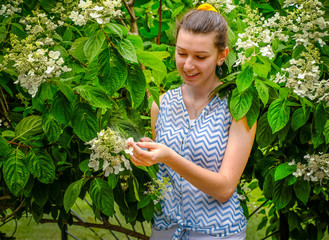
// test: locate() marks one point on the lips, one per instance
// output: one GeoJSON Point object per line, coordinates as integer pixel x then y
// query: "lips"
{"type": "Point", "coordinates": [191, 75]}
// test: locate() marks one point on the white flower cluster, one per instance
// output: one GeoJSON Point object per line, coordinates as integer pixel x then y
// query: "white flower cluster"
{"type": "Point", "coordinates": [34, 61]}
{"type": "Point", "coordinates": [9, 9]}
{"type": "Point", "coordinates": [303, 24]}
{"type": "Point", "coordinates": [316, 169]}
{"type": "Point", "coordinates": [158, 188]}
{"type": "Point", "coordinates": [109, 147]}
{"type": "Point", "coordinates": [226, 5]}
{"type": "Point", "coordinates": [244, 190]}
{"type": "Point", "coordinates": [101, 12]}
{"type": "Point", "coordinates": [256, 37]}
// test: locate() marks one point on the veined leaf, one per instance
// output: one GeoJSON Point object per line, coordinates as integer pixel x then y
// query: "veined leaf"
{"type": "Point", "coordinates": [51, 127]}
{"type": "Point", "coordinates": [261, 70]}
{"type": "Point", "coordinates": [240, 103]}
{"type": "Point", "coordinates": [41, 166]}
{"type": "Point", "coordinates": [102, 196]}
{"type": "Point", "coordinates": [62, 114]}
{"type": "Point", "coordinates": [278, 115]}
{"type": "Point", "coordinates": [77, 49]}
{"type": "Point", "coordinates": [264, 135]}
{"type": "Point", "coordinates": [245, 78]}
{"type": "Point", "coordinates": [15, 171]}
{"type": "Point", "coordinates": [84, 123]}
{"type": "Point", "coordinates": [284, 170]}
{"type": "Point", "coordinates": [302, 189]}
{"type": "Point", "coordinates": [113, 71]}
{"type": "Point", "coordinates": [326, 131]}
{"type": "Point", "coordinates": [281, 194]}
{"type": "Point", "coordinates": [262, 90]}
{"type": "Point", "coordinates": [113, 29]}
{"type": "Point", "coordinates": [148, 211]}
{"type": "Point", "coordinates": [136, 85]}
{"type": "Point", "coordinates": [93, 45]}
{"type": "Point", "coordinates": [150, 60]}
{"type": "Point", "coordinates": [253, 113]}
{"type": "Point", "coordinates": [4, 147]}
{"type": "Point", "coordinates": [127, 50]}
{"type": "Point", "coordinates": [299, 118]}
{"type": "Point", "coordinates": [29, 126]}
{"type": "Point", "coordinates": [71, 194]}
{"type": "Point", "coordinates": [94, 96]}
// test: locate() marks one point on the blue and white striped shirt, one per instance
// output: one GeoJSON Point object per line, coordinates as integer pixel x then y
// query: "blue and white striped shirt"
{"type": "Point", "coordinates": [202, 142]}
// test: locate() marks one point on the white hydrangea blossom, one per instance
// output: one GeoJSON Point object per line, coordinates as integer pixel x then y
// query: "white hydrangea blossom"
{"type": "Point", "coordinates": [10, 8]}
{"type": "Point", "coordinates": [109, 146]}
{"type": "Point", "coordinates": [34, 60]}
{"type": "Point", "coordinates": [158, 188]}
{"type": "Point", "coordinates": [226, 5]}
{"type": "Point", "coordinates": [101, 12]}
{"type": "Point", "coordinates": [315, 170]}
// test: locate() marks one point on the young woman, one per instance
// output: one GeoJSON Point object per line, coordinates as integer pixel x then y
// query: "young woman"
{"type": "Point", "coordinates": [197, 143]}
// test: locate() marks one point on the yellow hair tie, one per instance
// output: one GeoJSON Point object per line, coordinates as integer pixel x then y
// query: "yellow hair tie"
{"type": "Point", "coordinates": [207, 7]}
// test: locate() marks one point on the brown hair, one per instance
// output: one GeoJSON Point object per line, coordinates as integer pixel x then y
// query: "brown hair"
{"type": "Point", "coordinates": [201, 21]}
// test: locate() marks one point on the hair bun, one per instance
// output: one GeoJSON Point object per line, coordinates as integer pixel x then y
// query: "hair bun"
{"type": "Point", "coordinates": [207, 7]}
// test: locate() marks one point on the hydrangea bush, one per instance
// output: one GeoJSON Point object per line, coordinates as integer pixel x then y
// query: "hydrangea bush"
{"type": "Point", "coordinates": [77, 79]}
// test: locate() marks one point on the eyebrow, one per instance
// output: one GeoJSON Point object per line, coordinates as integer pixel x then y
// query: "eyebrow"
{"type": "Point", "coordinates": [205, 51]}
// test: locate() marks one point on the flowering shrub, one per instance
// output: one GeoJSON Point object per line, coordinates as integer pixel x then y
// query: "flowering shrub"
{"type": "Point", "coordinates": [72, 71]}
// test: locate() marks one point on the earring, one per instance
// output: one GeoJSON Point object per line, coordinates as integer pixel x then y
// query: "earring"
{"type": "Point", "coordinates": [219, 70]}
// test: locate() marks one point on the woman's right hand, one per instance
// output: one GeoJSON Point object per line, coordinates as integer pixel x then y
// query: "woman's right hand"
{"type": "Point", "coordinates": [146, 139]}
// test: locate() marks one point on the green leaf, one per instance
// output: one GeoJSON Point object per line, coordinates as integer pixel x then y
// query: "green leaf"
{"type": "Point", "coordinates": [66, 90]}
{"type": "Point", "coordinates": [326, 131]}
{"type": "Point", "coordinates": [29, 126]}
{"type": "Point", "coordinates": [240, 103]}
{"type": "Point", "coordinates": [71, 194]}
{"type": "Point", "coordinates": [51, 127]}
{"type": "Point", "coordinates": [302, 189]}
{"type": "Point", "coordinates": [102, 196]}
{"type": "Point", "coordinates": [113, 71]}
{"type": "Point", "coordinates": [264, 135]}
{"type": "Point", "coordinates": [278, 115]}
{"type": "Point", "coordinates": [77, 49]}
{"type": "Point", "coordinates": [136, 188]}
{"type": "Point", "coordinates": [261, 70]}
{"type": "Point", "coordinates": [136, 85]}
{"type": "Point", "coordinates": [41, 166]}
{"type": "Point", "coordinates": [84, 123]}
{"type": "Point", "coordinates": [4, 147]}
{"type": "Point", "coordinates": [144, 201]}
{"type": "Point", "coordinates": [253, 113]}
{"type": "Point", "coordinates": [94, 96]}
{"type": "Point", "coordinates": [148, 59]}
{"type": "Point", "coordinates": [15, 171]}
{"type": "Point", "coordinates": [62, 114]}
{"type": "Point", "coordinates": [40, 193]}
{"type": "Point", "coordinates": [136, 40]}
{"type": "Point", "coordinates": [112, 180]}
{"type": "Point", "coordinates": [269, 184]}
{"type": "Point", "coordinates": [319, 118]}
{"type": "Point", "coordinates": [127, 50]}
{"type": "Point", "coordinates": [148, 211]}
{"type": "Point", "coordinates": [281, 194]}
{"type": "Point", "coordinates": [93, 45]}
{"type": "Point", "coordinates": [262, 90]}
{"type": "Point", "coordinates": [244, 79]}
{"type": "Point", "coordinates": [284, 170]}
{"type": "Point", "coordinates": [299, 118]}
{"type": "Point", "coordinates": [113, 29]}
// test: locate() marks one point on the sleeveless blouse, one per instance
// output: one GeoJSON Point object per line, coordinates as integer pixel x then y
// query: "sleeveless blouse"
{"type": "Point", "coordinates": [202, 142]}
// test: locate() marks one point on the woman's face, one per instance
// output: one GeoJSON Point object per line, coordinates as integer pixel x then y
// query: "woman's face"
{"type": "Point", "coordinates": [197, 57]}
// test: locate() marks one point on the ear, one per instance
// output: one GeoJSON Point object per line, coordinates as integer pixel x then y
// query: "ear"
{"type": "Point", "coordinates": [222, 56]}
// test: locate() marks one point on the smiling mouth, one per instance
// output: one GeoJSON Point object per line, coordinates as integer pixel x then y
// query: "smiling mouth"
{"type": "Point", "coordinates": [191, 75]}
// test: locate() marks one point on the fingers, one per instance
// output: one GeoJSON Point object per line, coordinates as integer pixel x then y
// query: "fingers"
{"type": "Point", "coordinates": [146, 139]}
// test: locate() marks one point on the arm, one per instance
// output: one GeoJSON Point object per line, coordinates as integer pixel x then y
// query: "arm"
{"type": "Point", "coordinates": [220, 185]}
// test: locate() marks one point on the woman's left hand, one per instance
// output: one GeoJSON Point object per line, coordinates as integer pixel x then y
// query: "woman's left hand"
{"type": "Point", "coordinates": [156, 153]}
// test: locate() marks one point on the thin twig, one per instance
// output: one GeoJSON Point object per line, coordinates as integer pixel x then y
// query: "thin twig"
{"type": "Point", "coordinates": [78, 60]}
{"type": "Point", "coordinates": [5, 198]}
{"type": "Point", "coordinates": [160, 20]}
{"type": "Point", "coordinates": [4, 99]}
{"type": "Point", "coordinates": [271, 234]}
{"type": "Point", "coordinates": [103, 226]}
{"type": "Point", "coordinates": [260, 206]}
{"type": "Point", "coordinates": [14, 212]}
{"type": "Point", "coordinates": [7, 33]}
{"type": "Point", "coordinates": [21, 145]}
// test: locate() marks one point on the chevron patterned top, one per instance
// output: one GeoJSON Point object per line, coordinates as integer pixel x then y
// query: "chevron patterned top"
{"type": "Point", "coordinates": [202, 142]}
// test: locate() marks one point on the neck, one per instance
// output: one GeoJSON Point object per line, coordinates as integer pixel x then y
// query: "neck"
{"type": "Point", "coordinates": [199, 93]}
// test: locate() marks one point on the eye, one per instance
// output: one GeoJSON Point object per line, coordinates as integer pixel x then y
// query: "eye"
{"type": "Point", "coordinates": [201, 57]}
{"type": "Point", "coordinates": [181, 54]}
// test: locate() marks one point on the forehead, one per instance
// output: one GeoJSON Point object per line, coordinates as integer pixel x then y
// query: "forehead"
{"type": "Point", "coordinates": [196, 42]}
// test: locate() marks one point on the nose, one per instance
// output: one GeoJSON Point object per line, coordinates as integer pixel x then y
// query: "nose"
{"type": "Point", "coordinates": [189, 64]}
